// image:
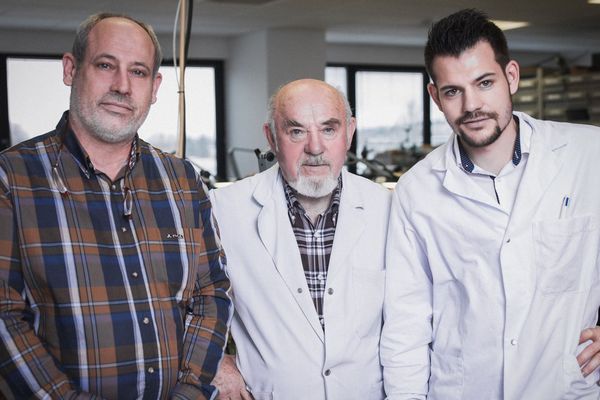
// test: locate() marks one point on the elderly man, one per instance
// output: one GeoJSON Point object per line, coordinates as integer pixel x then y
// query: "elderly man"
{"type": "Point", "coordinates": [305, 247]}
{"type": "Point", "coordinates": [493, 274]}
{"type": "Point", "coordinates": [111, 284]}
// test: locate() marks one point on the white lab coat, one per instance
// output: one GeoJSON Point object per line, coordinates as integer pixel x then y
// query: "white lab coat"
{"type": "Point", "coordinates": [283, 352]}
{"type": "Point", "coordinates": [495, 303]}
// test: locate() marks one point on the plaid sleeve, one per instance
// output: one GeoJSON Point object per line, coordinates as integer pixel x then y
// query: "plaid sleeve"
{"type": "Point", "coordinates": [208, 317]}
{"type": "Point", "coordinates": [27, 370]}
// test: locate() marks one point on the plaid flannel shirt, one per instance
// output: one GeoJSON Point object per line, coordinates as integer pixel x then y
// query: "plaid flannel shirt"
{"type": "Point", "coordinates": [109, 289]}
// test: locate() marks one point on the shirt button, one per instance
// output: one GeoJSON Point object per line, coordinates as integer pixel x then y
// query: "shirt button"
{"type": "Point", "coordinates": [514, 342]}
{"type": "Point", "coordinates": [322, 321]}
{"type": "Point", "coordinates": [320, 277]}
{"type": "Point", "coordinates": [146, 320]}
{"type": "Point", "coordinates": [330, 291]}
{"type": "Point", "coordinates": [150, 370]}
{"type": "Point", "coordinates": [134, 274]}
{"type": "Point", "coordinates": [328, 372]}
{"type": "Point", "coordinates": [113, 187]}
{"type": "Point", "coordinates": [299, 290]}
{"type": "Point", "coordinates": [316, 234]}
{"type": "Point", "coordinates": [123, 229]}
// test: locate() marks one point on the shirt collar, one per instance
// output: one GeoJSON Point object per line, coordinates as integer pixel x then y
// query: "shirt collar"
{"type": "Point", "coordinates": [71, 143]}
{"type": "Point", "coordinates": [294, 206]}
{"type": "Point", "coordinates": [522, 142]}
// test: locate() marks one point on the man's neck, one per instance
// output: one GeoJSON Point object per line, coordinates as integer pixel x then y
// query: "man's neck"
{"type": "Point", "coordinates": [495, 156]}
{"type": "Point", "coordinates": [108, 158]}
{"type": "Point", "coordinates": [314, 206]}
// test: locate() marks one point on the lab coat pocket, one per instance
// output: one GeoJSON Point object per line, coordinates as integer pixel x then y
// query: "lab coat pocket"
{"type": "Point", "coordinates": [368, 289]}
{"type": "Point", "coordinates": [447, 376]}
{"type": "Point", "coordinates": [565, 252]}
{"type": "Point", "coordinates": [576, 385]}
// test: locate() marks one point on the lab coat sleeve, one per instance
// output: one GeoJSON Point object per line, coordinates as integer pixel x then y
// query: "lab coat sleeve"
{"type": "Point", "coordinates": [407, 329]}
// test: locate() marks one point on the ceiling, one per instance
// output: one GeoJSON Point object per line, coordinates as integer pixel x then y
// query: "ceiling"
{"type": "Point", "coordinates": [571, 26]}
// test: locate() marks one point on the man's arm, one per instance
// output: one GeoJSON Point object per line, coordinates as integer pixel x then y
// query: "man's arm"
{"type": "Point", "coordinates": [208, 317]}
{"type": "Point", "coordinates": [407, 330]}
{"type": "Point", "coordinates": [26, 368]}
{"type": "Point", "coordinates": [589, 358]}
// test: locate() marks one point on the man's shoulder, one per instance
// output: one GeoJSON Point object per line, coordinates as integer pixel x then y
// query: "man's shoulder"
{"type": "Point", "coordinates": [364, 185]}
{"type": "Point", "coordinates": [243, 188]}
{"type": "Point", "coordinates": [30, 145]}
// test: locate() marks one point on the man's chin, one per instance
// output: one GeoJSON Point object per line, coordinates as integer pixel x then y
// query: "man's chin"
{"type": "Point", "coordinates": [314, 187]}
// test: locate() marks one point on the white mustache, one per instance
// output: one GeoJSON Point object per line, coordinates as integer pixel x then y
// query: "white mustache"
{"type": "Point", "coordinates": [315, 161]}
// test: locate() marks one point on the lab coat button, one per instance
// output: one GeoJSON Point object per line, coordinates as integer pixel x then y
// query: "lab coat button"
{"type": "Point", "coordinates": [514, 342]}
{"type": "Point", "coordinates": [299, 290]}
{"type": "Point", "coordinates": [508, 240]}
{"type": "Point", "coordinates": [330, 291]}
{"type": "Point", "coordinates": [328, 372]}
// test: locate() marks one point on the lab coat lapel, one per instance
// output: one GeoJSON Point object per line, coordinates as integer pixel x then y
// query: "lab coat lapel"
{"type": "Point", "coordinates": [276, 234]}
{"type": "Point", "coordinates": [349, 228]}
{"type": "Point", "coordinates": [455, 181]}
{"type": "Point", "coordinates": [543, 164]}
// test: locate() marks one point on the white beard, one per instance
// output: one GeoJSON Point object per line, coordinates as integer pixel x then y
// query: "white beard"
{"type": "Point", "coordinates": [314, 187]}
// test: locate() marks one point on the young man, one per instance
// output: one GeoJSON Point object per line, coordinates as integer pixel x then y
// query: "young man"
{"type": "Point", "coordinates": [305, 245]}
{"type": "Point", "coordinates": [111, 284]}
{"type": "Point", "coordinates": [492, 263]}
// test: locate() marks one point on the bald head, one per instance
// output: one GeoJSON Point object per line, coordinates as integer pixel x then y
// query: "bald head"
{"type": "Point", "coordinates": [300, 88]}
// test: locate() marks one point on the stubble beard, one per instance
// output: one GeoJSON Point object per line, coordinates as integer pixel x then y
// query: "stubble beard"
{"type": "Point", "coordinates": [482, 141]}
{"type": "Point", "coordinates": [89, 114]}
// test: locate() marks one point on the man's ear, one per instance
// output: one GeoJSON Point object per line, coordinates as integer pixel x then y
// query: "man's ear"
{"type": "Point", "coordinates": [270, 137]}
{"type": "Point", "coordinates": [512, 76]}
{"type": "Point", "coordinates": [69, 68]}
{"type": "Point", "coordinates": [350, 129]}
{"type": "Point", "coordinates": [434, 94]}
{"type": "Point", "coordinates": [155, 85]}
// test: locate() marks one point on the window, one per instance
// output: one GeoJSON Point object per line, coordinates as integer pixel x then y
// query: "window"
{"type": "Point", "coordinates": [37, 97]}
{"type": "Point", "coordinates": [393, 110]}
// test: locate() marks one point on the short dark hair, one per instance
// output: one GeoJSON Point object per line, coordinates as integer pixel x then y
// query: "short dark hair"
{"type": "Point", "coordinates": [461, 31]}
{"type": "Point", "coordinates": [80, 43]}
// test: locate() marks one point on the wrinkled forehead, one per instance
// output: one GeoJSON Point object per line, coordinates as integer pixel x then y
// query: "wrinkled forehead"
{"type": "Point", "coordinates": [308, 101]}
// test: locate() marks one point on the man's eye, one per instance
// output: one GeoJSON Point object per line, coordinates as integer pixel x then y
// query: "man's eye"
{"type": "Point", "coordinates": [486, 83]}
{"type": "Point", "coordinates": [138, 72]}
{"type": "Point", "coordinates": [296, 132]}
{"type": "Point", "coordinates": [103, 65]}
{"type": "Point", "coordinates": [451, 92]}
{"type": "Point", "coordinates": [329, 131]}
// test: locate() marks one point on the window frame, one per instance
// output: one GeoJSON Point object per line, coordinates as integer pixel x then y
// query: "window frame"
{"type": "Point", "coordinates": [216, 64]}
{"type": "Point", "coordinates": [353, 69]}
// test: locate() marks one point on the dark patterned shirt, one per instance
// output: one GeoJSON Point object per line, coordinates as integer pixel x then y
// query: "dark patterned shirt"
{"type": "Point", "coordinates": [110, 288]}
{"type": "Point", "coordinates": [314, 242]}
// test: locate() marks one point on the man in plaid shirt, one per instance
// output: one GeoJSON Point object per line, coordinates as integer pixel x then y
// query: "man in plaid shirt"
{"type": "Point", "coordinates": [111, 276]}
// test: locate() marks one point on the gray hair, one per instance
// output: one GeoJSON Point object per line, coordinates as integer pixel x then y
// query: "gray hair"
{"type": "Point", "coordinates": [272, 109]}
{"type": "Point", "coordinates": [80, 43]}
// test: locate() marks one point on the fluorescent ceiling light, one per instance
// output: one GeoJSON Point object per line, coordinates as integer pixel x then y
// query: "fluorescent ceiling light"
{"type": "Point", "coordinates": [506, 25]}
{"type": "Point", "coordinates": [594, 1]}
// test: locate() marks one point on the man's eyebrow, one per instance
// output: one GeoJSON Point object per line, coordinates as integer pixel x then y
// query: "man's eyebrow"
{"type": "Point", "coordinates": [115, 59]}
{"type": "Point", "coordinates": [292, 122]}
{"type": "Point", "coordinates": [479, 78]}
{"type": "Point", "coordinates": [332, 121]}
